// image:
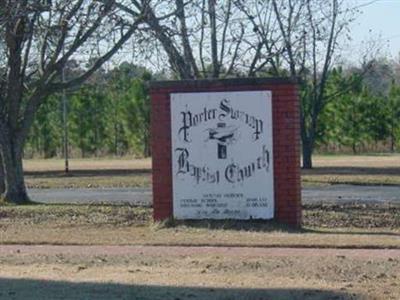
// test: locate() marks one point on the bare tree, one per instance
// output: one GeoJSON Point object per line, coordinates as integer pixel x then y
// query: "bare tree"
{"type": "Point", "coordinates": [309, 31]}
{"type": "Point", "coordinates": [37, 39]}
{"type": "Point", "coordinates": [265, 43]}
{"type": "Point", "coordinates": [213, 39]}
{"type": "Point", "coordinates": [200, 38]}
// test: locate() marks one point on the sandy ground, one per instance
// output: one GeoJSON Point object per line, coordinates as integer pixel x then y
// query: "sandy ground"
{"type": "Point", "coordinates": [48, 272]}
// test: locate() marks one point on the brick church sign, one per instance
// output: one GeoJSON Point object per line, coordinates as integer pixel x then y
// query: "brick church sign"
{"type": "Point", "coordinates": [226, 149]}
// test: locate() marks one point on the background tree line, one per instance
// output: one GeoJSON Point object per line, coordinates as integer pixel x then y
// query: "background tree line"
{"type": "Point", "coordinates": [107, 116]}
{"type": "Point", "coordinates": [365, 116]}
{"type": "Point", "coordinates": [110, 114]}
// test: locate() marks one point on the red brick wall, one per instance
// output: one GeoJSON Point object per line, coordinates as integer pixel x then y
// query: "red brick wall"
{"type": "Point", "coordinates": [286, 140]}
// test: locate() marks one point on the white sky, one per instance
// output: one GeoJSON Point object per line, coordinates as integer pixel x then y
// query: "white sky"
{"type": "Point", "coordinates": [379, 21]}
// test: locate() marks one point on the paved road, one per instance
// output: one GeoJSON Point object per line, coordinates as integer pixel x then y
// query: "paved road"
{"type": "Point", "coordinates": [139, 196]}
{"type": "Point", "coordinates": [351, 194]}
{"type": "Point", "coordinates": [133, 196]}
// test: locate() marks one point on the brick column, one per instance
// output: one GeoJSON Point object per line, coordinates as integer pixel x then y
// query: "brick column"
{"type": "Point", "coordinates": [286, 140]}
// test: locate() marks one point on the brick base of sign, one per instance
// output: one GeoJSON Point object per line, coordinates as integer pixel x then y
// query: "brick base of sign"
{"type": "Point", "coordinates": [286, 140]}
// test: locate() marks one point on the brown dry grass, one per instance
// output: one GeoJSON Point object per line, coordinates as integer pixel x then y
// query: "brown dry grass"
{"type": "Point", "coordinates": [345, 161]}
{"type": "Point", "coordinates": [373, 161]}
{"type": "Point", "coordinates": [90, 181]}
{"type": "Point", "coordinates": [354, 169]}
{"type": "Point", "coordinates": [124, 163]}
{"type": "Point", "coordinates": [128, 172]}
{"type": "Point", "coordinates": [123, 225]}
{"type": "Point", "coordinates": [92, 173]}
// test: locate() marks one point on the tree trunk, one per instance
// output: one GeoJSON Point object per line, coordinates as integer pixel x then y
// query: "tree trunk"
{"type": "Point", "coordinates": [392, 145]}
{"type": "Point", "coordinates": [307, 144]}
{"type": "Point", "coordinates": [11, 152]}
{"type": "Point", "coordinates": [213, 36]}
{"type": "Point", "coordinates": [146, 142]}
{"type": "Point", "coordinates": [2, 184]}
{"type": "Point", "coordinates": [307, 155]}
{"type": "Point", "coordinates": [392, 140]}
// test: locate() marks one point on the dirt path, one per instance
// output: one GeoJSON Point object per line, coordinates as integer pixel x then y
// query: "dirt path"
{"type": "Point", "coordinates": [172, 273]}
{"type": "Point", "coordinates": [26, 250]}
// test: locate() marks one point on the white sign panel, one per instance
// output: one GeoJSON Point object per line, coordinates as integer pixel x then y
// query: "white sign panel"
{"type": "Point", "coordinates": [222, 160]}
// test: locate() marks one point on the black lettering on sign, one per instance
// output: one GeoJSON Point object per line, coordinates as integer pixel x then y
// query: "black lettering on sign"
{"type": "Point", "coordinates": [236, 174]}
{"type": "Point", "coordinates": [201, 174]}
{"type": "Point", "coordinates": [229, 112]}
{"type": "Point", "coordinates": [190, 119]}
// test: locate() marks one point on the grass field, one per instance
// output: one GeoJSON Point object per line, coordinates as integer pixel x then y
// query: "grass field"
{"type": "Point", "coordinates": [329, 169]}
